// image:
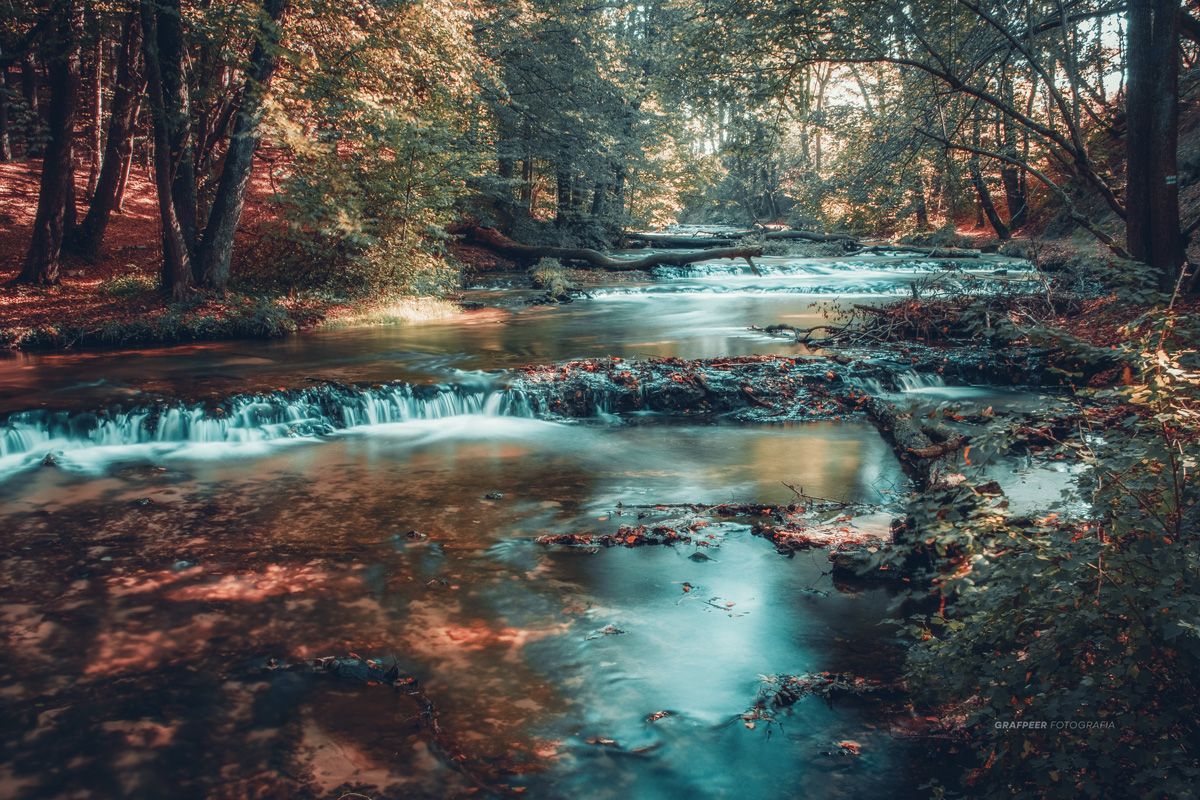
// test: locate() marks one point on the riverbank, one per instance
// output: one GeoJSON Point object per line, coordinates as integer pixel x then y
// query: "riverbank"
{"type": "Point", "coordinates": [114, 301]}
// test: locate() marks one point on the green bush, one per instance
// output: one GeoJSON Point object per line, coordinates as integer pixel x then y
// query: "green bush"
{"type": "Point", "coordinates": [1087, 627]}
{"type": "Point", "coordinates": [129, 285]}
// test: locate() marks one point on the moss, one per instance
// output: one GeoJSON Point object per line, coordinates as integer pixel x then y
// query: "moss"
{"type": "Point", "coordinates": [549, 274]}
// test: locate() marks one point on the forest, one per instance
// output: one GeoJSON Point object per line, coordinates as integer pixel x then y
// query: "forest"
{"type": "Point", "coordinates": [593, 398]}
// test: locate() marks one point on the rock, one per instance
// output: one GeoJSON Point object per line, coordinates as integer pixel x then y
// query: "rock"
{"type": "Point", "coordinates": [607, 630]}
{"type": "Point", "coordinates": [494, 496]}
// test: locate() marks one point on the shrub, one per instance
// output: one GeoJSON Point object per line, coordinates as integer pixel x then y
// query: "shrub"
{"type": "Point", "coordinates": [129, 285]}
{"type": "Point", "coordinates": [1091, 621]}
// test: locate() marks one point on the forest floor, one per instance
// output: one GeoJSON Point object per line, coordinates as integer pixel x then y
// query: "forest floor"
{"type": "Point", "coordinates": [114, 301]}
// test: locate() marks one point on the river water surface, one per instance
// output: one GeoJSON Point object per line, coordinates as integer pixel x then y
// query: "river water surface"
{"type": "Point", "coordinates": [161, 591]}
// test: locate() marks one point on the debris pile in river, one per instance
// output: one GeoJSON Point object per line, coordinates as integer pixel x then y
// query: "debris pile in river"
{"type": "Point", "coordinates": [752, 388]}
{"type": "Point", "coordinates": [794, 535]}
{"type": "Point", "coordinates": [636, 536]}
{"type": "Point", "coordinates": [780, 692]}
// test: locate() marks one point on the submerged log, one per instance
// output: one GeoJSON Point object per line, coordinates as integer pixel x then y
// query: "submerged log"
{"type": "Point", "coordinates": [494, 240]}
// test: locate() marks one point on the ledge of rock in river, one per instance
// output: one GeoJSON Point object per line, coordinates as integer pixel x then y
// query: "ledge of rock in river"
{"type": "Point", "coordinates": [751, 388]}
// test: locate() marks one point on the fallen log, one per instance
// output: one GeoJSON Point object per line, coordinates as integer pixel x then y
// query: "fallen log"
{"type": "Point", "coordinates": [669, 240]}
{"type": "Point", "coordinates": [494, 240]}
{"type": "Point", "coordinates": [926, 459]}
{"type": "Point", "coordinates": [729, 239]}
{"type": "Point", "coordinates": [924, 252]}
{"type": "Point", "coordinates": [809, 236]}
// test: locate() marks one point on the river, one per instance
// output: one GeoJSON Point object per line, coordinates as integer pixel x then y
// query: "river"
{"type": "Point", "coordinates": [167, 581]}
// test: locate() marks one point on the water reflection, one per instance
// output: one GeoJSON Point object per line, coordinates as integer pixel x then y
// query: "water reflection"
{"type": "Point", "coordinates": [693, 316]}
{"type": "Point", "coordinates": [141, 605]}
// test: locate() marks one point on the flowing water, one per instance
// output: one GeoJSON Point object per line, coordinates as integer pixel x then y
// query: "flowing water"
{"type": "Point", "coordinates": [164, 579]}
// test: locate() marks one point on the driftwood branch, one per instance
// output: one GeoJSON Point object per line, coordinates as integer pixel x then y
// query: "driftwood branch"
{"type": "Point", "coordinates": [498, 242]}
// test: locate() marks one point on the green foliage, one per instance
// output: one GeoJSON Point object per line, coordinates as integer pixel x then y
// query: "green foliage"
{"type": "Point", "coordinates": [1089, 623]}
{"type": "Point", "coordinates": [376, 116]}
{"type": "Point", "coordinates": [235, 316]}
{"type": "Point", "coordinates": [132, 284]}
{"type": "Point", "coordinates": [549, 274]}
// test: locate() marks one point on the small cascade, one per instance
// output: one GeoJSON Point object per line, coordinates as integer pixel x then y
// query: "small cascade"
{"type": "Point", "coordinates": [919, 381]}
{"type": "Point", "coordinates": [252, 418]}
{"type": "Point", "coordinates": [903, 383]}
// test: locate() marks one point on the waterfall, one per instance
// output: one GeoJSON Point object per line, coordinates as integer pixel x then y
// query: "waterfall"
{"type": "Point", "coordinates": [904, 382]}
{"type": "Point", "coordinates": [916, 381]}
{"type": "Point", "coordinates": [251, 418]}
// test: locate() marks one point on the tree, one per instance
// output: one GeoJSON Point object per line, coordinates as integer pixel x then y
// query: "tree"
{"type": "Point", "coordinates": [127, 91]}
{"type": "Point", "coordinates": [43, 259]}
{"type": "Point", "coordinates": [1152, 113]}
{"type": "Point", "coordinates": [216, 247]}
{"type": "Point", "coordinates": [198, 242]}
{"type": "Point", "coordinates": [162, 37]}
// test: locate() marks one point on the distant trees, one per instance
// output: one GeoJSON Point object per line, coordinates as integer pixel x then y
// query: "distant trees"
{"type": "Point", "coordinates": [581, 130]}
{"type": "Point", "coordinates": [385, 117]}
{"type": "Point", "coordinates": [1011, 94]}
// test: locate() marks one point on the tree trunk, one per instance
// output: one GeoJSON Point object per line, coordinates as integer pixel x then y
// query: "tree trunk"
{"type": "Point", "coordinates": [921, 209]}
{"type": "Point", "coordinates": [1011, 177]}
{"type": "Point", "coordinates": [177, 103]}
{"type": "Point", "coordinates": [5, 138]}
{"type": "Point", "coordinates": [599, 199]}
{"type": "Point", "coordinates": [527, 177]}
{"type": "Point", "coordinates": [95, 134]}
{"type": "Point", "coordinates": [563, 196]}
{"type": "Point", "coordinates": [216, 249]}
{"type": "Point", "coordinates": [127, 164]}
{"type": "Point", "coordinates": [43, 259]}
{"type": "Point", "coordinates": [985, 195]}
{"type": "Point", "coordinates": [1152, 228]}
{"type": "Point", "coordinates": [29, 90]}
{"type": "Point", "coordinates": [985, 201]}
{"type": "Point", "coordinates": [619, 191]}
{"type": "Point", "coordinates": [177, 261]}
{"type": "Point", "coordinates": [127, 90]}
{"type": "Point", "coordinates": [1014, 197]}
